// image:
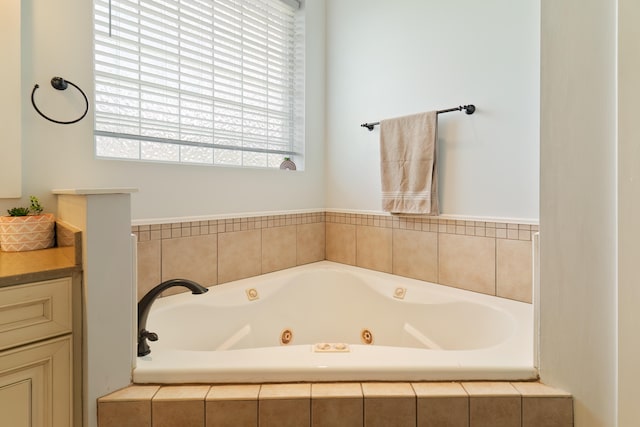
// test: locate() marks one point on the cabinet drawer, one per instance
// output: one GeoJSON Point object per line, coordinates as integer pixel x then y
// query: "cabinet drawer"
{"type": "Point", "coordinates": [34, 311]}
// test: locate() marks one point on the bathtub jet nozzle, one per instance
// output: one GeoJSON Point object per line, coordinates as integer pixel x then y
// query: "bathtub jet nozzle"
{"type": "Point", "coordinates": [145, 305]}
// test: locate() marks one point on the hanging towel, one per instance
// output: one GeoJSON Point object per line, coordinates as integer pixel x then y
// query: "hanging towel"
{"type": "Point", "coordinates": [408, 164]}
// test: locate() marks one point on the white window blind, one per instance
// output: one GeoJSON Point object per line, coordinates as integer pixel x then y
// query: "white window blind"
{"type": "Point", "coordinates": [199, 81]}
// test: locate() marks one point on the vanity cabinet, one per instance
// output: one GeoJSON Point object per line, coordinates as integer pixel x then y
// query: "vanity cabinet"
{"type": "Point", "coordinates": [36, 353]}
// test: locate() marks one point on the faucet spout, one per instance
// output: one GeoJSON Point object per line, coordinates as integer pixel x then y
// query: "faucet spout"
{"type": "Point", "coordinates": [145, 305]}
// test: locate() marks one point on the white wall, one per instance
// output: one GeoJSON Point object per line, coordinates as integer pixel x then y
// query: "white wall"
{"type": "Point", "coordinates": [629, 211]}
{"type": "Point", "coordinates": [578, 216]}
{"type": "Point", "coordinates": [108, 330]}
{"type": "Point", "coordinates": [393, 58]}
{"type": "Point", "coordinates": [10, 147]}
{"type": "Point", "coordinates": [57, 41]}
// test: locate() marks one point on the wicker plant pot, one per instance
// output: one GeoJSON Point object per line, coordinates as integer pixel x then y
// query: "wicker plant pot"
{"type": "Point", "coordinates": [27, 233]}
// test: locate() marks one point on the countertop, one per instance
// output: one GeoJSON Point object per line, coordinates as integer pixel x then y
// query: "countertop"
{"type": "Point", "coordinates": [43, 264]}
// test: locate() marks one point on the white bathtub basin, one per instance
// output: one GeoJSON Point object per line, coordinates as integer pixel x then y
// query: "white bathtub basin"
{"type": "Point", "coordinates": [332, 322]}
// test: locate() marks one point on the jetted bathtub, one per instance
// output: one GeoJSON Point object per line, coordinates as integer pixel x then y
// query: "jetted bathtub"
{"type": "Point", "coordinates": [332, 322]}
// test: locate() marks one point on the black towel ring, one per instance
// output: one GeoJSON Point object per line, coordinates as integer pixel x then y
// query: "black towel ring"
{"type": "Point", "coordinates": [60, 84]}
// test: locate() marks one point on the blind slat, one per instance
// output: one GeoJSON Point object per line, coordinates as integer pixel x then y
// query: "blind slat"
{"type": "Point", "coordinates": [194, 72]}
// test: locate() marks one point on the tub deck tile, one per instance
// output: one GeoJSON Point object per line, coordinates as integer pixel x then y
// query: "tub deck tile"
{"type": "Point", "coordinates": [441, 404]}
{"type": "Point", "coordinates": [337, 404]}
{"type": "Point", "coordinates": [389, 404]}
{"type": "Point", "coordinates": [234, 405]}
{"type": "Point", "coordinates": [284, 405]}
{"type": "Point", "coordinates": [371, 404]}
{"type": "Point", "coordinates": [130, 406]}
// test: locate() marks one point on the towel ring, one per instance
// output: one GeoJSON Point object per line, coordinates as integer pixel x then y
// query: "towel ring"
{"type": "Point", "coordinates": [60, 84]}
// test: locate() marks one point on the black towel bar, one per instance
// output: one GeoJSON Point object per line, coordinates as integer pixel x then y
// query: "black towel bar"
{"type": "Point", "coordinates": [469, 109]}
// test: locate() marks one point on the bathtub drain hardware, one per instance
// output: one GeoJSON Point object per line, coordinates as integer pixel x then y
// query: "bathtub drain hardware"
{"type": "Point", "coordinates": [366, 336]}
{"type": "Point", "coordinates": [326, 347]}
{"type": "Point", "coordinates": [399, 293]}
{"type": "Point", "coordinates": [252, 294]}
{"type": "Point", "coordinates": [286, 336]}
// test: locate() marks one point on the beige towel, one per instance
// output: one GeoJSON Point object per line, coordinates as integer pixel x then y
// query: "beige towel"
{"type": "Point", "coordinates": [408, 164]}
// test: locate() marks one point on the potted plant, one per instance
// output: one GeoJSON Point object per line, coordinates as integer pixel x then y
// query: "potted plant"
{"type": "Point", "coordinates": [27, 229]}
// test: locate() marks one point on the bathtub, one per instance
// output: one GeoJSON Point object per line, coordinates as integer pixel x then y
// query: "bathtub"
{"type": "Point", "coordinates": [333, 322]}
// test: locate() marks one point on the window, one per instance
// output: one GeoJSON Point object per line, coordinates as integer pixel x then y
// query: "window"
{"type": "Point", "coordinates": [215, 82]}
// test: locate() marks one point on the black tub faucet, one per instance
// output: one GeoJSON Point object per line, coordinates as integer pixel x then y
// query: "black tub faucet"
{"type": "Point", "coordinates": [145, 304]}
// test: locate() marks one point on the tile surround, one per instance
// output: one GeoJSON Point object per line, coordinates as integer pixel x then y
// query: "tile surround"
{"type": "Point", "coordinates": [389, 405]}
{"type": "Point", "coordinates": [374, 248]}
{"type": "Point", "coordinates": [337, 404]}
{"type": "Point", "coordinates": [341, 243]}
{"type": "Point", "coordinates": [441, 405]}
{"type": "Point", "coordinates": [179, 406]}
{"type": "Point", "coordinates": [514, 269]}
{"type": "Point", "coordinates": [467, 262]}
{"type": "Point", "coordinates": [482, 256]}
{"type": "Point", "coordinates": [284, 405]}
{"type": "Point", "coordinates": [426, 248]}
{"type": "Point", "coordinates": [437, 404]}
{"type": "Point", "coordinates": [415, 254]}
{"type": "Point", "coordinates": [232, 406]}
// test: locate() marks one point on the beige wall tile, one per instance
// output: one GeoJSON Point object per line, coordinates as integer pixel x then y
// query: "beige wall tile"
{"type": "Point", "coordinates": [234, 392]}
{"type": "Point", "coordinates": [493, 404]}
{"type": "Point", "coordinates": [495, 411]}
{"type": "Point", "coordinates": [336, 390]}
{"type": "Point", "coordinates": [377, 389]}
{"type": "Point", "coordinates": [374, 248]}
{"type": "Point", "coordinates": [490, 389]}
{"type": "Point", "coordinates": [310, 243]}
{"type": "Point", "coordinates": [443, 412]}
{"type": "Point", "coordinates": [132, 393]}
{"type": "Point", "coordinates": [284, 412]}
{"type": "Point", "coordinates": [124, 414]}
{"type": "Point", "coordinates": [341, 243]}
{"type": "Point", "coordinates": [439, 389]}
{"type": "Point", "coordinates": [467, 262]}
{"type": "Point", "coordinates": [333, 412]}
{"type": "Point", "coordinates": [441, 405]}
{"type": "Point", "coordinates": [232, 413]}
{"type": "Point", "coordinates": [543, 405]}
{"type": "Point", "coordinates": [232, 406]}
{"type": "Point", "coordinates": [193, 258]}
{"type": "Point", "coordinates": [389, 404]}
{"type": "Point", "coordinates": [284, 405]}
{"type": "Point", "coordinates": [285, 391]}
{"type": "Point", "coordinates": [149, 266]}
{"type": "Point", "coordinates": [537, 389]}
{"type": "Point", "coordinates": [127, 407]}
{"type": "Point", "coordinates": [390, 412]}
{"type": "Point", "coordinates": [547, 411]}
{"type": "Point", "coordinates": [239, 255]}
{"type": "Point", "coordinates": [514, 269]}
{"type": "Point", "coordinates": [337, 404]}
{"type": "Point", "coordinates": [415, 254]}
{"type": "Point", "coordinates": [183, 413]}
{"type": "Point", "coordinates": [278, 248]}
{"type": "Point", "coordinates": [181, 393]}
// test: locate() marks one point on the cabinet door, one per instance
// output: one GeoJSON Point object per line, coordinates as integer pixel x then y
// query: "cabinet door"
{"type": "Point", "coordinates": [15, 399]}
{"type": "Point", "coordinates": [34, 311]}
{"type": "Point", "coordinates": [35, 384]}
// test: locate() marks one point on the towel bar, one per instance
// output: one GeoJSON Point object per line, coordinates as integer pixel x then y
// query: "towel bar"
{"type": "Point", "coordinates": [469, 109]}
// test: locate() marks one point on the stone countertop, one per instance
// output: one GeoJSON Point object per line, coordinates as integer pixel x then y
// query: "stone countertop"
{"type": "Point", "coordinates": [43, 264]}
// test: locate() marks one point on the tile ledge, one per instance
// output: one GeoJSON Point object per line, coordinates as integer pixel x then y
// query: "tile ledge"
{"type": "Point", "coordinates": [94, 191]}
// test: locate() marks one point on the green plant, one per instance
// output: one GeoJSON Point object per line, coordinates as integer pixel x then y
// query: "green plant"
{"type": "Point", "coordinates": [34, 209]}
{"type": "Point", "coordinates": [18, 211]}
